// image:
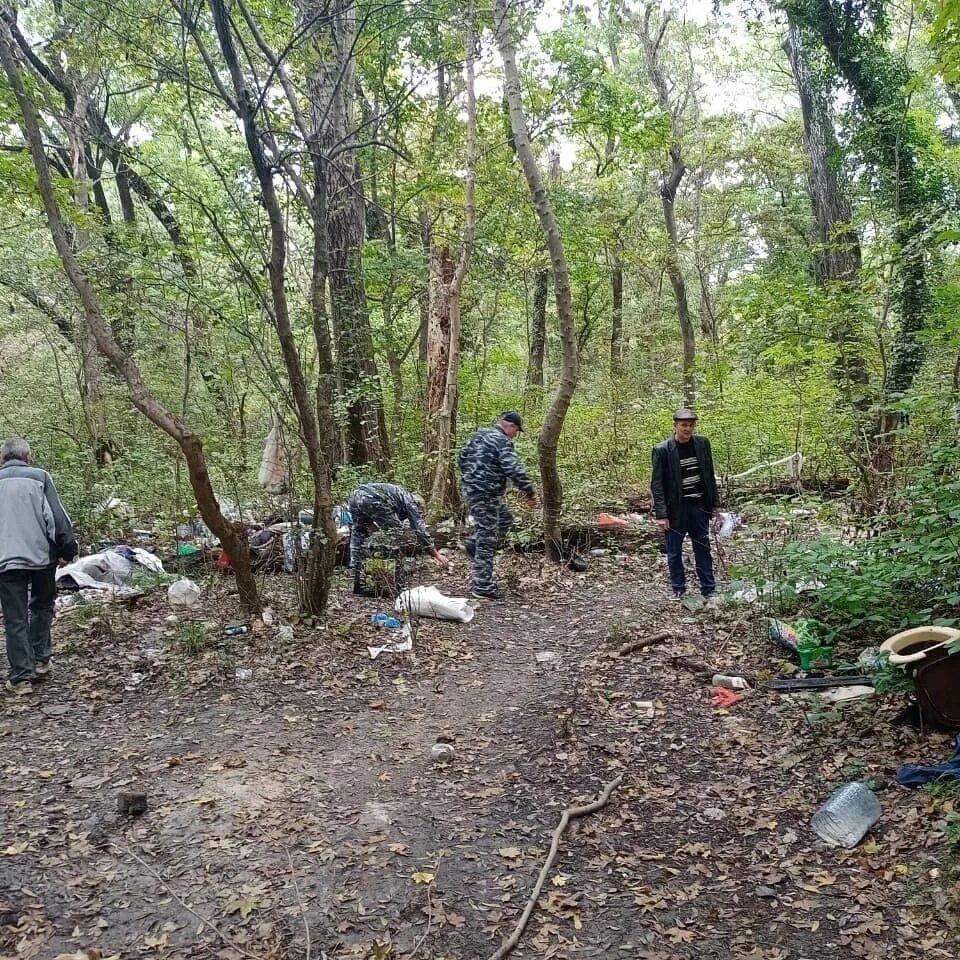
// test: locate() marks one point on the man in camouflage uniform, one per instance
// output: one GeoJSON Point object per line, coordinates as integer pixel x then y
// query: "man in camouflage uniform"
{"type": "Point", "coordinates": [384, 506]}
{"type": "Point", "coordinates": [487, 462]}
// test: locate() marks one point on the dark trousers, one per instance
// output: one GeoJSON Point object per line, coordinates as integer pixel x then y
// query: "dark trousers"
{"type": "Point", "coordinates": [492, 521]}
{"type": "Point", "coordinates": [26, 597]}
{"type": "Point", "coordinates": [695, 522]}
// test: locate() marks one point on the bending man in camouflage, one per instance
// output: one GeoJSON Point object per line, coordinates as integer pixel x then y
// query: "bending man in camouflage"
{"type": "Point", "coordinates": [384, 506]}
{"type": "Point", "coordinates": [487, 462]}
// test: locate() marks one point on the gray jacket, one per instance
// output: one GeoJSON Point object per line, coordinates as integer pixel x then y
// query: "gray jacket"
{"type": "Point", "coordinates": [35, 530]}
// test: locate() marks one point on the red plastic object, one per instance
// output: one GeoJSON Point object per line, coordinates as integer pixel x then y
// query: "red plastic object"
{"type": "Point", "coordinates": [223, 561]}
{"type": "Point", "coordinates": [607, 522]}
{"type": "Point", "coordinates": [722, 697]}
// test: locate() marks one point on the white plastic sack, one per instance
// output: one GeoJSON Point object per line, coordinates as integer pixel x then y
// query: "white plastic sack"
{"type": "Point", "coordinates": [427, 601]}
{"type": "Point", "coordinates": [183, 593]}
{"type": "Point", "coordinates": [107, 570]}
{"type": "Point", "coordinates": [273, 475]}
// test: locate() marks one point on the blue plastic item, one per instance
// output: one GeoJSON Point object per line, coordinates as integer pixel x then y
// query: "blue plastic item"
{"type": "Point", "coordinates": [385, 620]}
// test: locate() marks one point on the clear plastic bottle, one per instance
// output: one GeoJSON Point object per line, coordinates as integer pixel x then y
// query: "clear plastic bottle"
{"type": "Point", "coordinates": [849, 813]}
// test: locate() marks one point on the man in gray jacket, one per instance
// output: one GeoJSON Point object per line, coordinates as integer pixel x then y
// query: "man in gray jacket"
{"type": "Point", "coordinates": [35, 532]}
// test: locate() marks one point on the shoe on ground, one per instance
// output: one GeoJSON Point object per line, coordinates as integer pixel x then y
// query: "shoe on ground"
{"type": "Point", "coordinates": [711, 602]}
{"type": "Point", "coordinates": [20, 689]}
{"type": "Point", "coordinates": [678, 597]}
{"type": "Point", "coordinates": [42, 672]}
{"type": "Point", "coordinates": [493, 594]}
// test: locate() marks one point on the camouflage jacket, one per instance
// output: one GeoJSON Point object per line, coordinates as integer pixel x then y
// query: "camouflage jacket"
{"type": "Point", "coordinates": [487, 461]}
{"type": "Point", "coordinates": [387, 505]}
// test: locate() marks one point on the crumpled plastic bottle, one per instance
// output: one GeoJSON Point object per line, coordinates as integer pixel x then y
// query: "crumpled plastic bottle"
{"type": "Point", "coordinates": [183, 593]}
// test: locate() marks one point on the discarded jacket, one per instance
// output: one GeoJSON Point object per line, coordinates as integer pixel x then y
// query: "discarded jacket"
{"type": "Point", "coordinates": [914, 775]}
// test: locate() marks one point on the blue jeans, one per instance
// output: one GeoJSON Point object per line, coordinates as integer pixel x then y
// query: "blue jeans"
{"type": "Point", "coordinates": [695, 522]}
{"type": "Point", "coordinates": [27, 621]}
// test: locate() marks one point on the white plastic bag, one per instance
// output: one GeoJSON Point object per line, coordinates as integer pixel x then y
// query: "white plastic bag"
{"type": "Point", "coordinates": [427, 601]}
{"type": "Point", "coordinates": [183, 593]}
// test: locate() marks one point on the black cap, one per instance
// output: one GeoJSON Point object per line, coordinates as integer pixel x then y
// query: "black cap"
{"type": "Point", "coordinates": [511, 416]}
{"type": "Point", "coordinates": [684, 414]}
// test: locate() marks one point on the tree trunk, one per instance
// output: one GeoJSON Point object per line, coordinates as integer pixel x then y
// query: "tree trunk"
{"type": "Point", "coordinates": [233, 536]}
{"type": "Point", "coordinates": [443, 492]}
{"type": "Point", "coordinates": [669, 186]}
{"type": "Point", "coordinates": [438, 354]}
{"type": "Point", "coordinates": [552, 428]}
{"type": "Point", "coordinates": [538, 329]}
{"type": "Point", "coordinates": [616, 321]}
{"type": "Point", "coordinates": [332, 90]}
{"type": "Point", "coordinates": [315, 420]}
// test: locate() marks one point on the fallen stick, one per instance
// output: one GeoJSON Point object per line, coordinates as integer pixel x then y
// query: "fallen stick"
{"type": "Point", "coordinates": [694, 666]}
{"type": "Point", "coordinates": [644, 642]}
{"type": "Point", "coordinates": [571, 813]}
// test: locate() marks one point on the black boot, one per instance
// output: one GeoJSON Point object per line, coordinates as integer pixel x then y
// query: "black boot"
{"type": "Point", "coordinates": [358, 588]}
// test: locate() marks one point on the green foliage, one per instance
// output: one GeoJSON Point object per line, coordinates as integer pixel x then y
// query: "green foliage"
{"type": "Point", "coordinates": [190, 639]}
{"type": "Point", "coordinates": [906, 573]}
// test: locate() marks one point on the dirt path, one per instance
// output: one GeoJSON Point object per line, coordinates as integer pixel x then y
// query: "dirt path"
{"type": "Point", "coordinates": [307, 793]}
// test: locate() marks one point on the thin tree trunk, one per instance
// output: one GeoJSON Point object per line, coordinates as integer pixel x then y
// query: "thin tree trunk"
{"type": "Point", "coordinates": [538, 329]}
{"type": "Point", "coordinates": [552, 428]}
{"type": "Point", "coordinates": [616, 322]}
{"type": "Point", "coordinates": [232, 535]}
{"type": "Point", "coordinates": [438, 353]}
{"type": "Point", "coordinates": [319, 566]}
{"type": "Point", "coordinates": [669, 186]}
{"type": "Point", "coordinates": [443, 491]}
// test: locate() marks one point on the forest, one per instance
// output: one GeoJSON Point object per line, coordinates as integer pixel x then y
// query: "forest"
{"type": "Point", "coordinates": [256, 253]}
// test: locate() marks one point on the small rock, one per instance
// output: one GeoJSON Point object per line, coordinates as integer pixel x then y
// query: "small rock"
{"type": "Point", "coordinates": [172, 620]}
{"type": "Point", "coordinates": [55, 709]}
{"type": "Point", "coordinates": [765, 893]}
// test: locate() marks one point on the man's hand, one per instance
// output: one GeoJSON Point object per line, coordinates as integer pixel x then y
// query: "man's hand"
{"type": "Point", "coordinates": [441, 561]}
{"type": "Point", "coordinates": [663, 525]}
{"type": "Point", "coordinates": [533, 499]}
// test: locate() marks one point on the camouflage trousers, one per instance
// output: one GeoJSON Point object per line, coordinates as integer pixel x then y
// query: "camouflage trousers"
{"type": "Point", "coordinates": [491, 520]}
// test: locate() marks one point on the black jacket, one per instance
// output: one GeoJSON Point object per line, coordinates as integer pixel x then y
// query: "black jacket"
{"type": "Point", "coordinates": [665, 484]}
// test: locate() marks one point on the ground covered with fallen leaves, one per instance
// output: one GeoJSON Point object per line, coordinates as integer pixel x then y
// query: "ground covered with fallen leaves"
{"type": "Point", "coordinates": [294, 809]}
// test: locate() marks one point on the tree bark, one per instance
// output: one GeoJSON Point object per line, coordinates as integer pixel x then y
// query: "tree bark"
{"type": "Point", "coordinates": [310, 418]}
{"type": "Point", "coordinates": [232, 535]}
{"type": "Point", "coordinates": [443, 492]}
{"type": "Point", "coordinates": [669, 186]}
{"type": "Point", "coordinates": [332, 92]}
{"type": "Point", "coordinates": [438, 353]}
{"type": "Point", "coordinates": [538, 329]}
{"type": "Point", "coordinates": [552, 428]}
{"type": "Point", "coordinates": [616, 320]}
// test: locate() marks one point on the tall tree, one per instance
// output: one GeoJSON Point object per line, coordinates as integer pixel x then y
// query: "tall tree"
{"type": "Point", "coordinates": [652, 37]}
{"type": "Point", "coordinates": [232, 535]}
{"type": "Point", "coordinates": [552, 428]}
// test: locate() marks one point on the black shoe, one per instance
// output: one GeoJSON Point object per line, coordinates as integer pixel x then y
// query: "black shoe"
{"type": "Point", "coordinates": [470, 548]}
{"type": "Point", "coordinates": [360, 590]}
{"type": "Point", "coordinates": [494, 593]}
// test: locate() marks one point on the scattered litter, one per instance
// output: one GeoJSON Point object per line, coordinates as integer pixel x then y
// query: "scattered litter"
{"type": "Point", "coordinates": [134, 681]}
{"type": "Point", "coordinates": [285, 633]}
{"type": "Point", "coordinates": [442, 752]}
{"type": "Point", "coordinates": [131, 803]}
{"type": "Point", "coordinates": [914, 775]}
{"type": "Point", "coordinates": [646, 709]}
{"type": "Point", "coordinates": [729, 682]}
{"type": "Point", "coordinates": [236, 630]}
{"type": "Point", "coordinates": [724, 698]}
{"type": "Point", "coordinates": [870, 659]}
{"type": "Point", "coordinates": [741, 591]}
{"type": "Point", "coordinates": [727, 524]}
{"type": "Point", "coordinates": [268, 616]}
{"type": "Point", "coordinates": [385, 620]}
{"type": "Point", "coordinates": [577, 563]}
{"type": "Point", "coordinates": [243, 673]}
{"type": "Point", "coordinates": [426, 601]}
{"type": "Point", "coordinates": [815, 683]}
{"type": "Point", "coordinates": [852, 692]}
{"type": "Point", "coordinates": [607, 522]}
{"type": "Point", "coordinates": [599, 552]}
{"type": "Point", "coordinates": [547, 656]}
{"type": "Point", "coordinates": [846, 817]}
{"type": "Point", "coordinates": [402, 643]}
{"type": "Point", "coordinates": [809, 586]}
{"type": "Point", "coordinates": [183, 593]}
{"type": "Point", "coordinates": [171, 620]}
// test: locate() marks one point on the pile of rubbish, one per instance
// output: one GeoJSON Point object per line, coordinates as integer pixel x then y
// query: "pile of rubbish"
{"type": "Point", "coordinates": [104, 576]}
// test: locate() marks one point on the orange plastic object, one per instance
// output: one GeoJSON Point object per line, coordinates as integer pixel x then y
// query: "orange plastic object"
{"type": "Point", "coordinates": [607, 522]}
